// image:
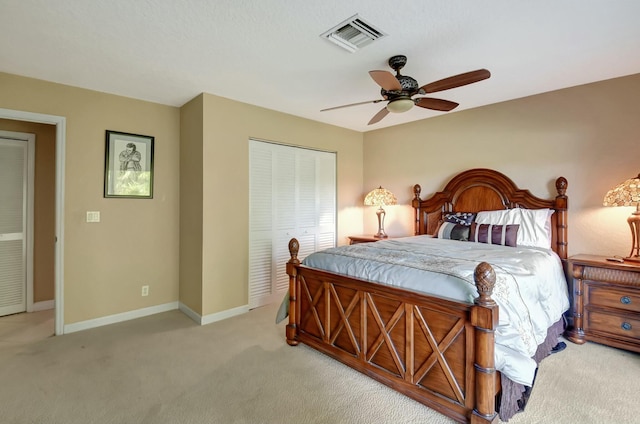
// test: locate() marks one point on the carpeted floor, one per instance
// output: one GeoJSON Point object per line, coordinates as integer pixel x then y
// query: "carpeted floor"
{"type": "Point", "coordinates": [166, 369]}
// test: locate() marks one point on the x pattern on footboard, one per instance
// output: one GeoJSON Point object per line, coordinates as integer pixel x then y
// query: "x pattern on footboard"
{"type": "Point", "coordinates": [424, 347]}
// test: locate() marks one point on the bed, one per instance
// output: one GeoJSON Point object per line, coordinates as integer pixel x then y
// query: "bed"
{"type": "Point", "coordinates": [436, 349]}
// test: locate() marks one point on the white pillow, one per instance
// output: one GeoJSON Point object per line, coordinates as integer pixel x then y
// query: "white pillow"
{"type": "Point", "coordinates": [535, 224]}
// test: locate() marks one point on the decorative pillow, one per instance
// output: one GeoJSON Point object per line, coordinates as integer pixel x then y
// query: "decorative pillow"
{"type": "Point", "coordinates": [462, 218]}
{"type": "Point", "coordinates": [451, 231]}
{"type": "Point", "coordinates": [505, 235]}
{"type": "Point", "coordinates": [535, 224]}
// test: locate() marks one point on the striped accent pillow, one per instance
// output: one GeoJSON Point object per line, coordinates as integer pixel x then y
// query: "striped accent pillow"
{"type": "Point", "coordinates": [451, 231]}
{"type": "Point", "coordinates": [505, 235]}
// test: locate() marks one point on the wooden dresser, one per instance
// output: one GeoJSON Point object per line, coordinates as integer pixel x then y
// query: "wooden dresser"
{"type": "Point", "coordinates": [605, 302]}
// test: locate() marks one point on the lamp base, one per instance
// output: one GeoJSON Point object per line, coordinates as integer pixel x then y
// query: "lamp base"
{"type": "Point", "coordinates": [380, 234]}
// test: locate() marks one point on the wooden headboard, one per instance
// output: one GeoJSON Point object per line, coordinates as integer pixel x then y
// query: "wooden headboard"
{"type": "Point", "coordinates": [483, 189]}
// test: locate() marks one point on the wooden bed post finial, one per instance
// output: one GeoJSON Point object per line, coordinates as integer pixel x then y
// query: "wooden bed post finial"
{"type": "Point", "coordinates": [294, 247]}
{"type": "Point", "coordinates": [416, 191]}
{"type": "Point", "coordinates": [561, 186]}
{"type": "Point", "coordinates": [485, 278]}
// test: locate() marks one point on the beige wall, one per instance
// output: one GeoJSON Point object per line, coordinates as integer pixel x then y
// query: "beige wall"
{"type": "Point", "coordinates": [191, 183]}
{"type": "Point", "coordinates": [228, 125]}
{"type": "Point", "coordinates": [588, 134]}
{"type": "Point", "coordinates": [44, 205]}
{"type": "Point", "coordinates": [137, 242]}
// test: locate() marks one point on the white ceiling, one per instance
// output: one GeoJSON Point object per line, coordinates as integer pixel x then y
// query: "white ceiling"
{"type": "Point", "coordinates": [269, 53]}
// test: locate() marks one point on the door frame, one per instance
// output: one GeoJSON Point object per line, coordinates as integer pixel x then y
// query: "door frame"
{"type": "Point", "coordinates": [61, 130]}
{"type": "Point", "coordinates": [28, 238]}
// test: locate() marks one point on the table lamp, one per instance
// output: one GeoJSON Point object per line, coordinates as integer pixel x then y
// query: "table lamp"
{"type": "Point", "coordinates": [380, 197]}
{"type": "Point", "coordinates": [628, 194]}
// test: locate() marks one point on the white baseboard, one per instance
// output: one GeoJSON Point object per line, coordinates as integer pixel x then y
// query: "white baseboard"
{"type": "Point", "coordinates": [44, 306]}
{"type": "Point", "coordinates": [190, 313]}
{"type": "Point", "coordinates": [125, 316]}
{"type": "Point", "coordinates": [218, 316]}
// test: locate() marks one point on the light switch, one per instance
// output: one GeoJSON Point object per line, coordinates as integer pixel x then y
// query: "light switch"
{"type": "Point", "coordinates": [93, 216]}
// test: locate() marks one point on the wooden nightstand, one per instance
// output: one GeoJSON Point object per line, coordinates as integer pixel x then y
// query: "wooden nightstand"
{"type": "Point", "coordinates": [605, 302]}
{"type": "Point", "coordinates": [365, 239]}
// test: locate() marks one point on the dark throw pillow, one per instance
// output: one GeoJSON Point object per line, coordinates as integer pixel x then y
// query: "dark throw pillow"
{"type": "Point", "coordinates": [462, 218]}
{"type": "Point", "coordinates": [448, 230]}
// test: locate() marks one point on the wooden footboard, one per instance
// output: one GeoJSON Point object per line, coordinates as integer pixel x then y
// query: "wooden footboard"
{"type": "Point", "coordinates": [436, 351]}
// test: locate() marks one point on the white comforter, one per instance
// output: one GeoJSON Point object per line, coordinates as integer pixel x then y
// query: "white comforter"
{"type": "Point", "coordinates": [530, 290]}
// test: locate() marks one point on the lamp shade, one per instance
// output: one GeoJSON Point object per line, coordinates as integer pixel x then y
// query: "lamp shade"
{"type": "Point", "coordinates": [624, 194]}
{"type": "Point", "coordinates": [628, 194]}
{"type": "Point", "coordinates": [380, 197]}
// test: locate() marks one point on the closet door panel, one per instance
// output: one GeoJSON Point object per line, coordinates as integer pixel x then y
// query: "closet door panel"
{"type": "Point", "coordinates": [292, 194]}
{"type": "Point", "coordinates": [326, 201]}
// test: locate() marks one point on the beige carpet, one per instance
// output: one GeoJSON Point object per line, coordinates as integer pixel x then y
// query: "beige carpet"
{"type": "Point", "coordinates": [166, 369]}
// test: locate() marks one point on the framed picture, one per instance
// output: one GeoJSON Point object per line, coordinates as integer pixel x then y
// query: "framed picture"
{"type": "Point", "coordinates": [128, 165]}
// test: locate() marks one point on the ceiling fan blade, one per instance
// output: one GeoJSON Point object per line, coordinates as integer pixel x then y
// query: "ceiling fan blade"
{"type": "Point", "coordinates": [456, 81]}
{"type": "Point", "coordinates": [352, 104]}
{"type": "Point", "coordinates": [436, 104]}
{"type": "Point", "coordinates": [378, 116]}
{"type": "Point", "coordinates": [386, 80]}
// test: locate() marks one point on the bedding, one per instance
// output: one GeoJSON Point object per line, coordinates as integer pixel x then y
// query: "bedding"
{"type": "Point", "coordinates": [530, 289]}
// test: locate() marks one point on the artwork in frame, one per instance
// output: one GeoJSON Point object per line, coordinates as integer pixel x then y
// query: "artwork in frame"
{"type": "Point", "coordinates": [128, 166]}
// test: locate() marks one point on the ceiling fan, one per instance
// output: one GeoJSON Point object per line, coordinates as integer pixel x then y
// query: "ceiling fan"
{"type": "Point", "coordinates": [399, 90]}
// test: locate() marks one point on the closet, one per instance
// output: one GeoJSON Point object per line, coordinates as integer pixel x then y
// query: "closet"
{"type": "Point", "coordinates": [292, 193]}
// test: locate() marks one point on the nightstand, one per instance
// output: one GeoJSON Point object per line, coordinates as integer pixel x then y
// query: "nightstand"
{"type": "Point", "coordinates": [365, 239]}
{"type": "Point", "coordinates": [605, 302]}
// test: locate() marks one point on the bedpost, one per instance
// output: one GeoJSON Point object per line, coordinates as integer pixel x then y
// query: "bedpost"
{"type": "Point", "coordinates": [416, 208]}
{"type": "Point", "coordinates": [292, 271]}
{"type": "Point", "coordinates": [561, 219]}
{"type": "Point", "coordinates": [484, 317]}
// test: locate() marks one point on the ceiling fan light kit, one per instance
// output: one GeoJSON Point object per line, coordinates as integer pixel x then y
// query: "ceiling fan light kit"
{"type": "Point", "coordinates": [399, 106]}
{"type": "Point", "coordinates": [399, 90]}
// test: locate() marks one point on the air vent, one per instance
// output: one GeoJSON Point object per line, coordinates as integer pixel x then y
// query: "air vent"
{"type": "Point", "coordinates": [353, 34]}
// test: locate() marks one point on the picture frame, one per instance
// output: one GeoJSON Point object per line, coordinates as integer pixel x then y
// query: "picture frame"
{"type": "Point", "coordinates": [128, 165]}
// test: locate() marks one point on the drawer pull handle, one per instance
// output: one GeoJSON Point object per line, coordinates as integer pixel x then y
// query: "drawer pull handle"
{"type": "Point", "coordinates": [625, 299]}
{"type": "Point", "coordinates": [626, 326]}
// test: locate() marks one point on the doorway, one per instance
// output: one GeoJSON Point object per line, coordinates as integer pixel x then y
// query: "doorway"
{"type": "Point", "coordinates": [60, 135]}
{"type": "Point", "coordinates": [17, 153]}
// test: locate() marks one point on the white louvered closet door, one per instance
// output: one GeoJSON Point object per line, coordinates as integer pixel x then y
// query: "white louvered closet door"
{"type": "Point", "coordinates": [13, 197]}
{"type": "Point", "coordinates": [292, 194]}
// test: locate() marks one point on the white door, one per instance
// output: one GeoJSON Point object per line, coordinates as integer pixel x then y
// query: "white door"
{"type": "Point", "coordinates": [14, 225]}
{"type": "Point", "coordinates": [292, 194]}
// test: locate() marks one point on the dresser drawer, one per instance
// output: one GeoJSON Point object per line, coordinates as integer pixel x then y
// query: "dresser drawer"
{"type": "Point", "coordinates": [608, 297]}
{"type": "Point", "coordinates": [613, 324]}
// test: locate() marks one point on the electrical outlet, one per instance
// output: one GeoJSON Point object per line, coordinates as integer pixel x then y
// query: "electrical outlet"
{"type": "Point", "coordinates": [145, 290]}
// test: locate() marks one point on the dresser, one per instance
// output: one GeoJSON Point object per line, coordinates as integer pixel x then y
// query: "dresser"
{"type": "Point", "coordinates": [605, 303]}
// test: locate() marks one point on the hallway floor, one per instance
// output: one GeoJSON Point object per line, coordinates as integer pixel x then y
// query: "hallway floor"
{"type": "Point", "coordinates": [25, 327]}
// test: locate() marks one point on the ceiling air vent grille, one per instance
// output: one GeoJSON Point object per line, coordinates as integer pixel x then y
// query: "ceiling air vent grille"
{"type": "Point", "coordinates": [353, 34]}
